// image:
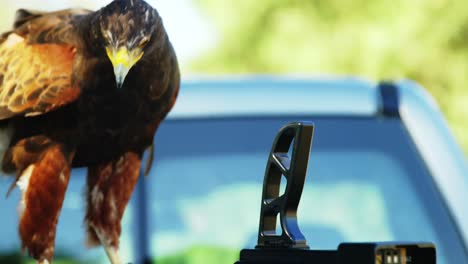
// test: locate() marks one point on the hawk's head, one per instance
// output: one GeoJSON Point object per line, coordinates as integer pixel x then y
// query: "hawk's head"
{"type": "Point", "coordinates": [127, 27]}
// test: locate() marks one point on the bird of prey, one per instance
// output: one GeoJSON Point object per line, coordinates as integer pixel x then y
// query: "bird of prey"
{"type": "Point", "coordinates": [82, 89]}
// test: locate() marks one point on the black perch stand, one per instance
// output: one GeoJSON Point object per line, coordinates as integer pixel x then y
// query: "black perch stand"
{"type": "Point", "coordinates": [291, 246]}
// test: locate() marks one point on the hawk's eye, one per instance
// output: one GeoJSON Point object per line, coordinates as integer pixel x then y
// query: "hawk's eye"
{"type": "Point", "coordinates": [143, 42]}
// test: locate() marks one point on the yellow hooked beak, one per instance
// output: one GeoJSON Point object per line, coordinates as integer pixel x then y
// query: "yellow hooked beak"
{"type": "Point", "coordinates": [123, 60]}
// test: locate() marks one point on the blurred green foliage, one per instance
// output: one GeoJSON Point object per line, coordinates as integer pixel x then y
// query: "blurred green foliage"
{"type": "Point", "coordinates": [423, 40]}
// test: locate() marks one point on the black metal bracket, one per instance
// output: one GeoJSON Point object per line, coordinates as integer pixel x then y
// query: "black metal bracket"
{"type": "Point", "coordinates": [294, 169]}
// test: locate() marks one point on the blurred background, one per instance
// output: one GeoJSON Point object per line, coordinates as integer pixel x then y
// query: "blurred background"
{"type": "Point", "coordinates": [421, 40]}
{"type": "Point", "coordinates": [426, 41]}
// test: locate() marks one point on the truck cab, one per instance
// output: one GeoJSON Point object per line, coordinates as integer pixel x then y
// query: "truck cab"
{"type": "Point", "coordinates": [383, 167]}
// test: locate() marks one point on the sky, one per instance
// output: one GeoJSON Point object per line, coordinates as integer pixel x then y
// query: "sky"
{"type": "Point", "coordinates": [190, 31]}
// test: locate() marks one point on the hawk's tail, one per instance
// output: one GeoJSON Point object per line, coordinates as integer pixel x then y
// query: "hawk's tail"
{"type": "Point", "coordinates": [6, 132]}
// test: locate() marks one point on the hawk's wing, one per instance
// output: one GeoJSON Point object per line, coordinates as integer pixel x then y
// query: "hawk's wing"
{"type": "Point", "coordinates": [36, 61]}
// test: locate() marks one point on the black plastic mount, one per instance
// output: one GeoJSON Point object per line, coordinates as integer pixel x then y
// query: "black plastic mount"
{"type": "Point", "coordinates": [294, 169]}
{"type": "Point", "coordinates": [347, 253]}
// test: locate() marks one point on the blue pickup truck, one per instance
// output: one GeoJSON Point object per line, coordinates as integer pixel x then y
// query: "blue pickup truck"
{"type": "Point", "coordinates": [383, 167]}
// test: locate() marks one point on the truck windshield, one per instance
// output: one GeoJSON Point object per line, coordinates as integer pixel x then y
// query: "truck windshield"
{"type": "Point", "coordinates": [365, 182]}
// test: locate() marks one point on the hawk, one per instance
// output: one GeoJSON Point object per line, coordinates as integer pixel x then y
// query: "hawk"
{"type": "Point", "coordinates": [82, 89]}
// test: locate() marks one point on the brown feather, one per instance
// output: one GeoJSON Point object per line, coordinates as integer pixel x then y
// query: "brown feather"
{"type": "Point", "coordinates": [109, 187]}
{"type": "Point", "coordinates": [48, 27]}
{"type": "Point", "coordinates": [37, 79]}
{"type": "Point", "coordinates": [22, 154]}
{"type": "Point", "coordinates": [51, 173]}
{"type": "Point", "coordinates": [23, 15]}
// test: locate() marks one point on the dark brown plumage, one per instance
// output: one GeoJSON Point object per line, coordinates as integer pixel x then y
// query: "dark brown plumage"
{"type": "Point", "coordinates": [81, 88]}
